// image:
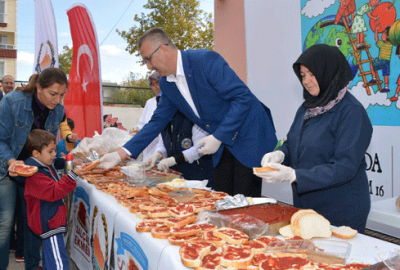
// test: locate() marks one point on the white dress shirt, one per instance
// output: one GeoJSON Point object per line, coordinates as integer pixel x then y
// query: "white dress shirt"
{"type": "Point", "coordinates": [181, 83]}
{"type": "Point", "coordinates": [148, 111]}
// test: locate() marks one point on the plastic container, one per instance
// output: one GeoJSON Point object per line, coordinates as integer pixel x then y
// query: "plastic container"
{"type": "Point", "coordinates": [69, 163]}
{"type": "Point", "coordinates": [317, 250]}
{"type": "Point", "coordinates": [154, 177]}
{"type": "Point", "coordinates": [329, 251]}
{"type": "Point", "coordinates": [134, 173]}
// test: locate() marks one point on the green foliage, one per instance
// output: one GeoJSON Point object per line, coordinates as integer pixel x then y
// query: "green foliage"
{"type": "Point", "coordinates": [129, 95]}
{"type": "Point", "coordinates": [65, 59]}
{"type": "Point", "coordinates": [135, 90]}
{"type": "Point", "coordinates": [135, 80]}
{"type": "Point", "coordinates": [185, 23]}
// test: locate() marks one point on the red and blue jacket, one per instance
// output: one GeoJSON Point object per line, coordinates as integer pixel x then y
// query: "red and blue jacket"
{"type": "Point", "coordinates": [44, 195]}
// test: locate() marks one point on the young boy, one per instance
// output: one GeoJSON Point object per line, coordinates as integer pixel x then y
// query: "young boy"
{"type": "Point", "coordinates": [44, 193]}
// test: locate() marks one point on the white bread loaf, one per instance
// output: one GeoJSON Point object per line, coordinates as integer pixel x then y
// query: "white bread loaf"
{"type": "Point", "coordinates": [302, 211]}
{"type": "Point", "coordinates": [398, 204]}
{"type": "Point", "coordinates": [344, 232]}
{"type": "Point", "coordinates": [309, 225]}
{"type": "Point", "coordinates": [286, 231]}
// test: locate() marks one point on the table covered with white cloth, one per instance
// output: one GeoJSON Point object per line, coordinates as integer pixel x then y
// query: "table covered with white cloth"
{"type": "Point", "coordinates": [103, 236]}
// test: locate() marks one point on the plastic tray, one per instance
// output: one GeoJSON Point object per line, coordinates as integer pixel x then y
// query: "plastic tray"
{"type": "Point", "coordinates": [330, 251]}
{"type": "Point", "coordinates": [317, 250]}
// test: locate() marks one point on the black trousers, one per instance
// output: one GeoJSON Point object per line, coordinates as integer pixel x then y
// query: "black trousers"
{"type": "Point", "coordinates": [233, 177]}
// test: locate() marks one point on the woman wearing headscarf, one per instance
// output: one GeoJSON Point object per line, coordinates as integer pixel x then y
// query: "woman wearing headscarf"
{"type": "Point", "coordinates": [324, 154]}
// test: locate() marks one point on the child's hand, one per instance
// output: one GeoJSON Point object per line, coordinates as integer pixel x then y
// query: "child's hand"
{"type": "Point", "coordinates": [79, 171]}
{"type": "Point", "coordinates": [78, 162]}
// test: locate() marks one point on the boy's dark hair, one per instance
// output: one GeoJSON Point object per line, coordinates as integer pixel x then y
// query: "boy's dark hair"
{"type": "Point", "coordinates": [38, 139]}
{"type": "Point", "coordinates": [70, 123]}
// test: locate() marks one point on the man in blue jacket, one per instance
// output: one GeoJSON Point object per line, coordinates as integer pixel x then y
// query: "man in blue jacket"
{"type": "Point", "coordinates": [202, 86]}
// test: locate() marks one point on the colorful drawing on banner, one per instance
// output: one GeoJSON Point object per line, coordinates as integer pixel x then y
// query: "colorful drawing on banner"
{"type": "Point", "coordinates": [134, 258]}
{"type": "Point", "coordinates": [99, 240]}
{"type": "Point", "coordinates": [109, 121]}
{"type": "Point", "coordinates": [81, 212]}
{"type": "Point", "coordinates": [367, 32]}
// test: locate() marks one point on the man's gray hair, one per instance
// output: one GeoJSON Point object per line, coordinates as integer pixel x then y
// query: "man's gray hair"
{"type": "Point", "coordinates": [155, 35]}
{"type": "Point", "coordinates": [7, 76]}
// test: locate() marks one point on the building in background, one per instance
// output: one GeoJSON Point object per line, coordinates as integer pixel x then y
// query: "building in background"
{"type": "Point", "coordinates": [8, 38]}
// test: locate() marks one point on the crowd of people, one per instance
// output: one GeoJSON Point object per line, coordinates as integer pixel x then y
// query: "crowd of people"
{"type": "Point", "coordinates": [203, 122]}
{"type": "Point", "coordinates": [322, 158]}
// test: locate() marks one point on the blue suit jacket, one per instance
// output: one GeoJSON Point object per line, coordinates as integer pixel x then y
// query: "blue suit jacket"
{"type": "Point", "coordinates": [227, 109]}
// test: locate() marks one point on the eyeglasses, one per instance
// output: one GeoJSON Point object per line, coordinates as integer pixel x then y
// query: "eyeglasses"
{"type": "Point", "coordinates": [148, 58]}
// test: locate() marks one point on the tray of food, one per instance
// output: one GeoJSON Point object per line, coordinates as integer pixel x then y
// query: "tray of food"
{"type": "Point", "coordinates": [273, 214]}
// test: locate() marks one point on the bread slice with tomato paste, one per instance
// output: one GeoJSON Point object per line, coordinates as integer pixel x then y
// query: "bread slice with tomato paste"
{"type": "Point", "coordinates": [211, 262]}
{"type": "Point", "coordinates": [185, 230]}
{"type": "Point", "coordinates": [25, 170]}
{"type": "Point", "coordinates": [263, 169]}
{"type": "Point", "coordinates": [91, 165]}
{"type": "Point", "coordinates": [231, 236]}
{"type": "Point", "coordinates": [236, 256]}
{"type": "Point", "coordinates": [192, 253]}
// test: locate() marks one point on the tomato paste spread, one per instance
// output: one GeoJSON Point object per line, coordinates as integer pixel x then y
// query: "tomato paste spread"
{"type": "Point", "coordinates": [234, 234]}
{"type": "Point", "coordinates": [269, 213]}
{"type": "Point", "coordinates": [210, 261]}
{"type": "Point", "coordinates": [283, 263]}
{"type": "Point", "coordinates": [236, 253]}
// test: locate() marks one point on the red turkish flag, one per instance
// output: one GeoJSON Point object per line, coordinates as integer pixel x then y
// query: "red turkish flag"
{"type": "Point", "coordinates": [83, 101]}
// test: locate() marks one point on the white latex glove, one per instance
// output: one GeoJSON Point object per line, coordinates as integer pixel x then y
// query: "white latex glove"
{"type": "Point", "coordinates": [210, 145]}
{"type": "Point", "coordinates": [273, 157]}
{"type": "Point", "coordinates": [151, 161]}
{"type": "Point", "coordinates": [282, 173]}
{"type": "Point", "coordinates": [109, 160]}
{"type": "Point", "coordinates": [166, 163]}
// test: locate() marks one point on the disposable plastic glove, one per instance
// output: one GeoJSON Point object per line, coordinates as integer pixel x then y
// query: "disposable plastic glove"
{"type": "Point", "coordinates": [109, 160]}
{"type": "Point", "coordinates": [273, 157]}
{"type": "Point", "coordinates": [210, 145]}
{"type": "Point", "coordinates": [282, 173]}
{"type": "Point", "coordinates": [166, 163]}
{"type": "Point", "coordinates": [151, 161]}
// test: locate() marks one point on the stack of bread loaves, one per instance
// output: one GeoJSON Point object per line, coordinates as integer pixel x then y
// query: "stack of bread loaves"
{"type": "Point", "coordinates": [308, 224]}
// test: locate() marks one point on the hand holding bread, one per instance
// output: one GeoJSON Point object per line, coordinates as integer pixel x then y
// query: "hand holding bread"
{"type": "Point", "coordinates": [273, 157]}
{"type": "Point", "coordinates": [110, 160]}
{"type": "Point", "coordinates": [275, 173]}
